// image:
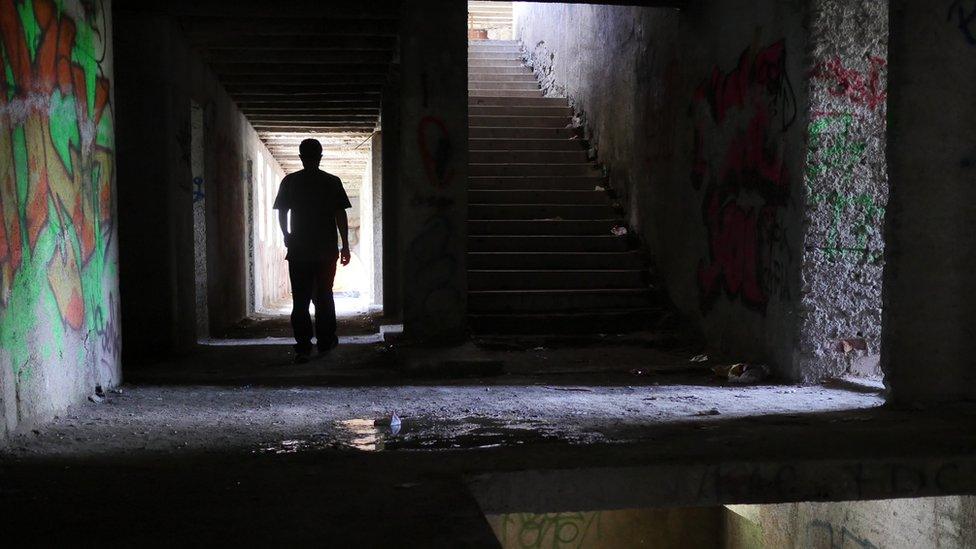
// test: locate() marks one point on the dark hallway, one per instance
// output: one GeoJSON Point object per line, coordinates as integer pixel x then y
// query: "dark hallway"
{"type": "Point", "coordinates": [664, 273]}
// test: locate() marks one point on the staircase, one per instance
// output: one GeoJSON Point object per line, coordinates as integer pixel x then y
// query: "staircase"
{"type": "Point", "coordinates": [541, 255]}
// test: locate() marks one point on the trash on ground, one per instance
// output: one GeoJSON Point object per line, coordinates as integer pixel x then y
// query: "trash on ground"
{"type": "Point", "coordinates": [699, 358]}
{"type": "Point", "coordinates": [640, 372]}
{"type": "Point", "coordinates": [851, 344]}
{"type": "Point", "coordinates": [619, 231]}
{"type": "Point", "coordinates": [96, 398]}
{"type": "Point", "coordinates": [742, 373]}
{"type": "Point", "coordinates": [395, 424]}
{"type": "Point", "coordinates": [540, 348]}
{"type": "Point", "coordinates": [599, 188]}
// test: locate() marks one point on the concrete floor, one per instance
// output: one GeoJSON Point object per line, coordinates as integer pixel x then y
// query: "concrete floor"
{"type": "Point", "coordinates": [233, 442]}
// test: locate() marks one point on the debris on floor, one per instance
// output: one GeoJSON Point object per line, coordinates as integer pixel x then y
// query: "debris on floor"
{"type": "Point", "coordinates": [619, 231]}
{"type": "Point", "coordinates": [742, 373]}
{"type": "Point", "coordinates": [709, 412]}
{"type": "Point", "coordinates": [699, 358]}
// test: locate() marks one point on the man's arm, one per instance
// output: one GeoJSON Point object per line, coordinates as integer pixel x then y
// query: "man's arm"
{"type": "Point", "coordinates": [283, 223]}
{"type": "Point", "coordinates": [342, 221]}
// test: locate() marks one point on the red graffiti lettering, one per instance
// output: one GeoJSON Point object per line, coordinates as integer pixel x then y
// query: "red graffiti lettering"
{"type": "Point", "coordinates": [859, 88]}
{"type": "Point", "coordinates": [436, 163]}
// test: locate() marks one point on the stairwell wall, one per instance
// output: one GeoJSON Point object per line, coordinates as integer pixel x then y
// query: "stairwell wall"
{"type": "Point", "coordinates": [699, 117]}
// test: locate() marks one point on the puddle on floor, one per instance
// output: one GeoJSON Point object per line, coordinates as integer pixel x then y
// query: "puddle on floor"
{"type": "Point", "coordinates": [369, 435]}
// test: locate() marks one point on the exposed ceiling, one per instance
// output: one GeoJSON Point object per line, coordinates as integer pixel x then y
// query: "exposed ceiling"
{"type": "Point", "coordinates": [296, 67]}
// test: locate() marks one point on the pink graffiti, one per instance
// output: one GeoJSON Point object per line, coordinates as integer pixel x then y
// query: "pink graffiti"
{"type": "Point", "coordinates": [749, 181]}
{"type": "Point", "coordinates": [860, 88]}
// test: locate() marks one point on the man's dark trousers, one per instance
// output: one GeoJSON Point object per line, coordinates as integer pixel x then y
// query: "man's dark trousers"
{"type": "Point", "coordinates": [312, 281]}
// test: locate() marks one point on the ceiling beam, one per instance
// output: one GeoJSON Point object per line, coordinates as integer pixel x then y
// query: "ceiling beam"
{"type": "Point", "coordinates": [264, 27]}
{"type": "Point", "coordinates": [300, 43]}
{"type": "Point", "coordinates": [287, 9]}
{"type": "Point", "coordinates": [371, 60]}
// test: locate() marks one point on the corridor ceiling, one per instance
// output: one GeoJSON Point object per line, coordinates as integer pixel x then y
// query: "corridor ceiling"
{"type": "Point", "coordinates": [298, 67]}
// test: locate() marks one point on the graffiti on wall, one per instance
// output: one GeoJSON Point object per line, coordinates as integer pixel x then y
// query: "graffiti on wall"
{"type": "Point", "coordinates": [56, 171]}
{"type": "Point", "coordinates": [859, 87]}
{"type": "Point", "coordinates": [741, 120]}
{"type": "Point", "coordinates": [435, 151]}
{"type": "Point", "coordinates": [834, 152]}
{"type": "Point", "coordinates": [963, 14]}
{"type": "Point", "coordinates": [529, 530]}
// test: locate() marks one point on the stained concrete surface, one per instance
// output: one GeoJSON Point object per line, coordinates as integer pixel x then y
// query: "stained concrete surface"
{"type": "Point", "coordinates": [234, 443]}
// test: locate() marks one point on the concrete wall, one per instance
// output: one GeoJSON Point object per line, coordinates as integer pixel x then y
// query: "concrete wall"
{"type": "Point", "coordinates": [700, 119]}
{"type": "Point", "coordinates": [59, 295]}
{"type": "Point", "coordinates": [945, 522]}
{"type": "Point", "coordinates": [746, 143]}
{"type": "Point", "coordinates": [271, 282]}
{"type": "Point", "coordinates": [159, 77]}
{"type": "Point", "coordinates": [930, 337]}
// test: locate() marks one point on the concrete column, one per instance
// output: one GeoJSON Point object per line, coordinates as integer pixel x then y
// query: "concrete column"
{"type": "Point", "coordinates": [433, 169]}
{"type": "Point", "coordinates": [390, 187]}
{"type": "Point", "coordinates": [154, 202]}
{"type": "Point", "coordinates": [376, 206]}
{"type": "Point", "coordinates": [929, 332]}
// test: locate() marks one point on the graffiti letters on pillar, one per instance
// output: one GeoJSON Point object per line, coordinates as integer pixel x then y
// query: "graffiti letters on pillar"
{"type": "Point", "coordinates": [832, 156]}
{"type": "Point", "coordinates": [198, 194]}
{"type": "Point", "coordinates": [738, 160]}
{"type": "Point", "coordinates": [861, 88]}
{"type": "Point", "coordinates": [962, 13]}
{"type": "Point", "coordinates": [56, 163]}
{"type": "Point", "coordinates": [435, 151]}
{"type": "Point", "coordinates": [433, 264]}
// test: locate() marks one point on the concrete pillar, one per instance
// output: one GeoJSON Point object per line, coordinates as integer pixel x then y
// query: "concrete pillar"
{"type": "Point", "coordinates": [154, 202]}
{"type": "Point", "coordinates": [390, 187]}
{"type": "Point", "coordinates": [376, 206]}
{"type": "Point", "coordinates": [433, 169]}
{"type": "Point", "coordinates": [929, 334]}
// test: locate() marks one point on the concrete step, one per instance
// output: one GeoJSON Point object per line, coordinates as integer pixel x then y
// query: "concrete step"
{"type": "Point", "coordinates": [507, 62]}
{"type": "Point", "coordinates": [518, 121]}
{"type": "Point", "coordinates": [482, 132]}
{"type": "Point", "coordinates": [540, 211]}
{"type": "Point", "coordinates": [556, 260]}
{"type": "Point", "coordinates": [518, 101]}
{"type": "Point", "coordinates": [555, 280]}
{"type": "Point", "coordinates": [525, 156]}
{"type": "Point", "coordinates": [495, 55]}
{"type": "Point", "coordinates": [474, 78]}
{"type": "Point", "coordinates": [499, 85]}
{"type": "Point", "coordinates": [542, 227]}
{"type": "Point", "coordinates": [524, 110]}
{"type": "Point", "coordinates": [536, 301]}
{"type": "Point", "coordinates": [547, 243]}
{"type": "Point", "coordinates": [568, 183]}
{"type": "Point", "coordinates": [482, 145]}
{"type": "Point", "coordinates": [484, 92]}
{"type": "Point", "coordinates": [486, 71]}
{"type": "Point", "coordinates": [510, 196]}
{"type": "Point", "coordinates": [532, 169]}
{"type": "Point", "coordinates": [595, 322]}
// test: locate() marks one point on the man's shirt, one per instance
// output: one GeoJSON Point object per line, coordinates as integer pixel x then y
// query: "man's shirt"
{"type": "Point", "coordinates": [314, 198]}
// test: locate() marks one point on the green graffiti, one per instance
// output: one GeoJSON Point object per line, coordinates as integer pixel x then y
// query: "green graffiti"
{"type": "Point", "coordinates": [56, 212]}
{"type": "Point", "coordinates": [855, 217]}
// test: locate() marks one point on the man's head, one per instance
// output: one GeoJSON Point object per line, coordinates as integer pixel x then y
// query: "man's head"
{"type": "Point", "coordinates": [310, 151]}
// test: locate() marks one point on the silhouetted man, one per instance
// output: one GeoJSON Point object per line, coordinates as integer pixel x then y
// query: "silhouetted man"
{"type": "Point", "coordinates": [317, 203]}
